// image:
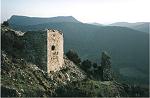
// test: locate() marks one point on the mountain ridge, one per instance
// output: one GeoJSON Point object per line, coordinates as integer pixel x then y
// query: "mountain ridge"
{"type": "Point", "coordinates": [26, 21]}
{"type": "Point", "coordinates": [140, 26]}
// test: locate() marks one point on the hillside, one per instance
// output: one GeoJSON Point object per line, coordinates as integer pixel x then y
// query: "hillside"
{"type": "Point", "coordinates": [24, 78]}
{"type": "Point", "coordinates": [140, 26]}
{"type": "Point", "coordinates": [128, 47]}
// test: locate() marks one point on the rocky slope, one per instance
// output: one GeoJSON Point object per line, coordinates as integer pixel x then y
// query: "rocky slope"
{"type": "Point", "coordinates": [22, 77]}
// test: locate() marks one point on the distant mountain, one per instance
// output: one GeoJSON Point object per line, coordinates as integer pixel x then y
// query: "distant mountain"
{"type": "Point", "coordinates": [95, 23]}
{"type": "Point", "coordinates": [26, 21]}
{"type": "Point", "coordinates": [129, 48]}
{"type": "Point", "coordinates": [140, 26]}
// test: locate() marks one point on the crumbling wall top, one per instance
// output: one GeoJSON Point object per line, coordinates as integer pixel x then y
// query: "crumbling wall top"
{"type": "Point", "coordinates": [52, 30]}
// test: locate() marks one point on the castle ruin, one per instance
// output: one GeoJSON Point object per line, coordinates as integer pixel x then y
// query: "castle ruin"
{"type": "Point", "coordinates": [54, 50]}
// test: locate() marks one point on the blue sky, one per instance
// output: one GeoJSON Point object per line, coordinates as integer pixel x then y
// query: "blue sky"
{"type": "Point", "coordinates": [101, 11]}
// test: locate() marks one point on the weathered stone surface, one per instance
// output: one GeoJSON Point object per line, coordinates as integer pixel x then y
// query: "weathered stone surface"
{"type": "Point", "coordinates": [54, 50]}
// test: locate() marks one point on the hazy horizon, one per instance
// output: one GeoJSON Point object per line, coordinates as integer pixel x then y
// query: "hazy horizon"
{"type": "Point", "coordinates": [81, 21]}
{"type": "Point", "coordinates": [86, 11]}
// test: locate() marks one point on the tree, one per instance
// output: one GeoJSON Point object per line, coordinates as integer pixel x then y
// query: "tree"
{"type": "Point", "coordinates": [97, 74]}
{"type": "Point", "coordinates": [5, 23]}
{"type": "Point", "coordinates": [95, 65]}
{"type": "Point", "coordinates": [86, 65]}
{"type": "Point", "coordinates": [106, 67]}
{"type": "Point", "coordinates": [73, 56]}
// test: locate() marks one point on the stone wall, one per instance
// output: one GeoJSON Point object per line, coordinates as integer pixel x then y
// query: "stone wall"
{"type": "Point", "coordinates": [36, 48]}
{"type": "Point", "coordinates": [54, 50]}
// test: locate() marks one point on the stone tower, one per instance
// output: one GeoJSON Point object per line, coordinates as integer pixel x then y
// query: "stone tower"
{"type": "Point", "coordinates": [54, 50]}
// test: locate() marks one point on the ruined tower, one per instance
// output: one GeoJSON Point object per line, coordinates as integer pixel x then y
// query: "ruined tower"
{"type": "Point", "coordinates": [54, 50]}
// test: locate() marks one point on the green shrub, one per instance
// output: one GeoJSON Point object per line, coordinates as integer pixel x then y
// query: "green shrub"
{"type": "Point", "coordinates": [73, 56]}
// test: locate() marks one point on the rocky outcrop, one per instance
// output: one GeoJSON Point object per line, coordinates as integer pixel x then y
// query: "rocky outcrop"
{"type": "Point", "coordinates": [107, 74]}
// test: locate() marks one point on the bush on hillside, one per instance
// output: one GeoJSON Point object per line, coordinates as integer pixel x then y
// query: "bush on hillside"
{"type": "Point", "coordinates": [73, 56]}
